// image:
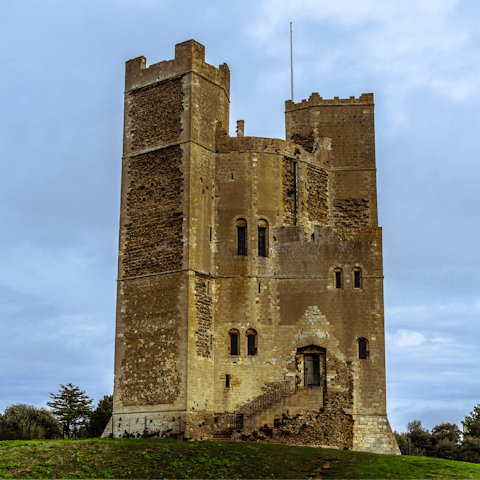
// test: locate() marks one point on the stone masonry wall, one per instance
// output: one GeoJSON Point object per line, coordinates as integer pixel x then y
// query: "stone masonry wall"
{"type": "Point", "coordinates": [203, 302]}
{"type": "Point", "coordinates": [288, 190]}
{"type": "Point", "coordinates": [149, 338]}
{"type": "Point", "coordinates": [317, 189]}
{"type": "Point", "coordinates": [155, 113]}
{"type": "Point", "coordinates": [153, 236]}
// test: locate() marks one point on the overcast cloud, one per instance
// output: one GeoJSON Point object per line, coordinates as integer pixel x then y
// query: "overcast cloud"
{"type": "Point", "coordinates": [62, 82]}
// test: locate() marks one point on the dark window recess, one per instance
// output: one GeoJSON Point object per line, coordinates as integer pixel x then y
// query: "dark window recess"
{"type": "Point", "coordinates": [233, 344]}
{"type": "Point", "coordinates": [356, 279]}
{"type": "Point", "coordinates": [262, 250]}
{"type": "Point", "coordinates": [362, 349]}
{"type": "Point", "coordinates": [241, 241]}
{"type": "Point", "coordinates": [251, 345]}
{"type": "Point", "coordinates": [210, 233]}
{"type": "Point", "coordinates": [227, 381]}
{"type": "Point", "coordinates": [338, 279]}
{"type": "Point", "coordinates": [259, 288]}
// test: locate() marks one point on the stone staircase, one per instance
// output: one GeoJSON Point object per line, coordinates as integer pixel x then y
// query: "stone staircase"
{"type": "Point", "coordinates": [281, 398]}
{"type": "Point", "coordinates": [223, 436]}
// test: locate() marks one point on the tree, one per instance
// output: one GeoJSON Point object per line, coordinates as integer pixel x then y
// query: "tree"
{"type": "Point", "coordinates": [446, 431]}
{"type": "Point", "coordinates": [72, 407]}
{"type": "Point", "coordinates": [100, 417]}
{"type": "Point", "coordinates": [472, 422]}
{"type": "Point", "coordinates": [21, 421]}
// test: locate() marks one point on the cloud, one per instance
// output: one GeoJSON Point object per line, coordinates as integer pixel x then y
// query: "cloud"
{"type": "Point", "coordinates": [408, 339]}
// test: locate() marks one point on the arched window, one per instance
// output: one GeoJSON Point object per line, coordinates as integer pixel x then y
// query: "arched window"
{"type": "Point", "coordinates": [338, 278]}
{"type": "Point", "coordinates": [357, 278]}
{"type": "Point", "coordinates": [251, 341]}
{"type": "Point", "coordinates": [234, 342]}
{"type": "Point", "coordinates": [262, 238]}
{"type": "Point", "coordinates": [362, 348]}
{"type": "Point", "coordinates": [241, 237]}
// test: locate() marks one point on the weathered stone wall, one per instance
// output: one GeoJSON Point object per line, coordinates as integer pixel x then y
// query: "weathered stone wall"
{"type": "Point", "coordinates": [155, 113]}
{"type": "Point", "coordinates": [153, 227]}
{"type": "Point", "coordinates": [203, 303]}
{"type": "Point", "coordinates": [150, 366]}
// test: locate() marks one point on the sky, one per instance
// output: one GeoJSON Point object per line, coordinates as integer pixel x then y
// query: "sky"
{"type": "Point", "coordinates": [61, 118]}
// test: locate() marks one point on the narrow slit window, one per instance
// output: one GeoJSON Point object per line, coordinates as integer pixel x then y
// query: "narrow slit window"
{"type": "Point", "coordinates": [227, 381]}
{"type": "Point", "coordinates": [259, 288]}
{"type": "Point", "coordinates": [362, 348]}
{"type": "Point", "coordinates": [210, 233]}
{"type": "Point", "coordinates": [262, 250]}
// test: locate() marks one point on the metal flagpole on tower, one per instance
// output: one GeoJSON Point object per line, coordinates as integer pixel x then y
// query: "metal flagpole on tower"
{"type": "Point", "coordinates": [291, 56]}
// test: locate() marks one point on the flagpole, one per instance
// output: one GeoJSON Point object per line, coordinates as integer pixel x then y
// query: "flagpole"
{"type": "Point", "coordinates": [291, 57]}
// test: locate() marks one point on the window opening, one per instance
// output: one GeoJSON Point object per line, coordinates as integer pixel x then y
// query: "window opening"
{"type": "Point", "coordinates": [259, 288]}
{"type": "Point", "coordinates": [362, 348]}
{"type": "Point", "coordinates": [251, 342]}
{"type": "Point", "coordinates": [227, 381]}
{"type": "Point", "coordinates": [210, 233]}
{"type": "Point", "coordinates": [313, 237]}
{"type": "Point", "coordinates": [241, 241]}
{"type": "Point", "coordinates": [262, 251]}
{"type": "Point", "coordinates": [338, 279]}
{"type": "Point", "coordinates": [357, 278]}
{"type": "Point", "coordinates": [234, 335]}
{"type": "Point", "coordinates": [251, 345]}
{"type": "Point", "coordinates": [232, 176]}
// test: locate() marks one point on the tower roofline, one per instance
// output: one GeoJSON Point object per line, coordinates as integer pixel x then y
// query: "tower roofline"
{"type": "Point", "coordinates": [316, 100]}
{"type": "Point", "coordinates": [189, 57]}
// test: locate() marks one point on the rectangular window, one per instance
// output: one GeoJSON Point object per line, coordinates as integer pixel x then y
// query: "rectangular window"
{"type": "Point", "coordinates": [362, 349]}
{"type": "Point", "coordinates": [338, 279]}
{"type": "Point", "coordinates": [227, 381]}
{"type": "Point", "coordinates": [251, 345]}
{"type": "Point", "coordinates": [241, 241]}
{"type": "Point", "coordinates": [262, 247]}
{"type": "Point", "coordinates": [233, 344]}
{"type": "Point", "coordinates": [356, 276]}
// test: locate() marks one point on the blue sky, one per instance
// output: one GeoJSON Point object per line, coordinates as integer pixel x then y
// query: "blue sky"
{"type": "Point", "coordinates": [62, 82]}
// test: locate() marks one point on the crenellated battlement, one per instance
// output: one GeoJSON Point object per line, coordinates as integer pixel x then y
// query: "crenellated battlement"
{"type": "Point", "coordinates": [189, 57]}
{"type": "Point", "coordinates": [316, 100]}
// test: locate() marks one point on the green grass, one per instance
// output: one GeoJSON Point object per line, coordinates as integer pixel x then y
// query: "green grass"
{"type": "Point", "coordinates": [152, 458]}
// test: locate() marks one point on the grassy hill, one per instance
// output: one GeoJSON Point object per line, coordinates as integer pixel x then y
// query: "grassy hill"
{"type": "Point", "coordinates": [152, 458]}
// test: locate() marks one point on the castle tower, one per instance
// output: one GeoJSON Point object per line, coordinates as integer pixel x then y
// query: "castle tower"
{"type": "Point", "coordinates": [250, 286]}
{"type": "Point", "coordinates": [171, 112]}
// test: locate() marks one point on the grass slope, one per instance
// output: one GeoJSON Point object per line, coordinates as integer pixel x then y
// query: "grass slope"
{"type": "Point", "coordinates": [153, 458]}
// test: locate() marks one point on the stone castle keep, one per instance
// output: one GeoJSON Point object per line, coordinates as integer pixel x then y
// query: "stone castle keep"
{"type": "Point", "coordinates": [250, 282]}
